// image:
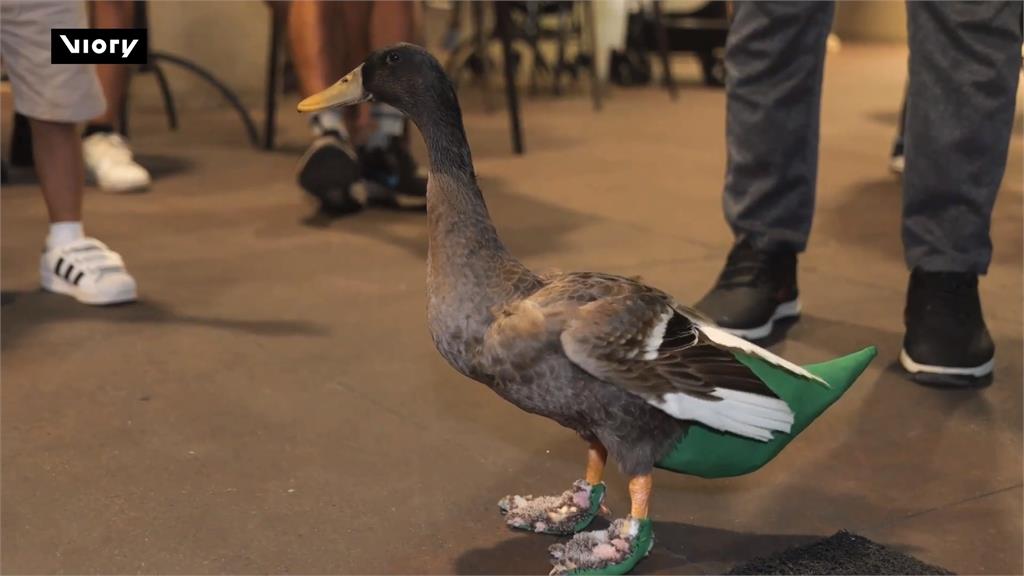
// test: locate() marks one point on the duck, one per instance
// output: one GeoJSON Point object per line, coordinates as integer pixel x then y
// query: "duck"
{"type": "Point", "coordinates": [641, 378]}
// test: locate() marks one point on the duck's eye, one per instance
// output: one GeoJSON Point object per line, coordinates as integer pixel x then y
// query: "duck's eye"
{"type": "Point", "coordinates": [393, 58]}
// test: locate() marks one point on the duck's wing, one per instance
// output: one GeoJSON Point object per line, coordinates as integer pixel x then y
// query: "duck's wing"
{"type": "Point", "coordinates": [641, 340]}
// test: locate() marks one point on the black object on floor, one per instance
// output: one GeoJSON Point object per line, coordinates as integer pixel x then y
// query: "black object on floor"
{"type": "Point", "coordinates": [842, 553]}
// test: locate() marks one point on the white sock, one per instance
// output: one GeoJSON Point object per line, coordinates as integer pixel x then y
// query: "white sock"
{"type": "Point", "coordinates": [390, 123]}
{"type": "Point", "coordinates": [328, 121]}
{"type": "Point", "coordinates": [62, 233]}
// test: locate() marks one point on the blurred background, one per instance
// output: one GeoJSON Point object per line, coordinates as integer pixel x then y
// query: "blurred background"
{"type": "Point", "coordinates": [195, 30]}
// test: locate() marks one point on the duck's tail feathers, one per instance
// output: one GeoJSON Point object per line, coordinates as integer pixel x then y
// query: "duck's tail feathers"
{"type": "Point", "coordinates": [742, 413]}
{"type": "Point", "coordinates": [737, 344]}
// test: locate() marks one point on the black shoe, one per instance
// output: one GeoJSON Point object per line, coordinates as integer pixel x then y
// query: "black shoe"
{"type": "Point", "coordinates": [327, 171]}
{"type": "Point", "coordinates": [391, 177]}
{"type": "Point", "coordinates": [753, 291]}
{"type": "Point", "coordinates": [947, 343]}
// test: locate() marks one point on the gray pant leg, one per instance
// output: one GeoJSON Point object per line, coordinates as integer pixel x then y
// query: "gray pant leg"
{"type": "Point", "coordinates": [774, 60]}
{"type": "Point", "coordinates": [965, 59]}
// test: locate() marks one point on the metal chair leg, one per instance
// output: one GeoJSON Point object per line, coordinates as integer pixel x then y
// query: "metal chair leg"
{"type": "Point", "coordinates": [123, 113]}
{"type": "Point", "coordinates": [595, 82]}
{"type": "Point", "coordinates": [250, 126]}
{"type": "Point", "coordinates": [511, 94]}
{"type": "Point", "coordinates": [273, 69]}
{"type": "Point", "coordinates": [659, 30]}
{"type": "Point", "coordinates": [539, 66]}
{"type": "Point", "coordinates": [166, 95]}
{"type": "Point", "coordinates": [480, 52]}
{"type": "Point", "coordinates": [560, 60]}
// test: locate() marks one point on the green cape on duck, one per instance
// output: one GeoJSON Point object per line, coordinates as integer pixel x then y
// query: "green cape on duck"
{"type": "Point", "coordinates": [711, 454]}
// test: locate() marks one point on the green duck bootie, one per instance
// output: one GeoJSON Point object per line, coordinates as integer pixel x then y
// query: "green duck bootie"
{"type": "Point", "coordinates": [712, 454]}
{"type": "Point", "coordinates": [642, 542]}
{"type": "Point", "coordinates": [561, 515]}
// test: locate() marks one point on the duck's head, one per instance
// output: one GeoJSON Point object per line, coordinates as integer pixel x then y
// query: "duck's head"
{"type": "Point", "coordinates": [405, 76]}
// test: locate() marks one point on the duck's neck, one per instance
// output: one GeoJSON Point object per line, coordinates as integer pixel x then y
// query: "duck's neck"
{"type": "Point", "coordinates": [463, 241]}
{"type": "Point", "coordinates": [468, 265]}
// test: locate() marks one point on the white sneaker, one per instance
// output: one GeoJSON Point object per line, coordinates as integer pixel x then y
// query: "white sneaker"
{"type": "Point", "coordinates": [88, 271]}
{"type": "Point", "coordinates": [109, 162]}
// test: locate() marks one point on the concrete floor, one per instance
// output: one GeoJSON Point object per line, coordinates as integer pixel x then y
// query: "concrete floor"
{"type": "Point", "coordinates": [273, 403]}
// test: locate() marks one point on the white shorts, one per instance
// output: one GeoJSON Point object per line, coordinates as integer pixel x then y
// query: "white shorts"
{"type": "Point", "coordinates": [44, 91]}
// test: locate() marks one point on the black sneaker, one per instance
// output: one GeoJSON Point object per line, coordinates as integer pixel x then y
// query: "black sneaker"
{"type": "Point", "coordinates": [947, 343]}
{"type": "Point", "coordinates": [327, 171]}
{"type": "Point", "coordinates": [753, 291]}
{"type": "Point", "coordinates": [391, 176]}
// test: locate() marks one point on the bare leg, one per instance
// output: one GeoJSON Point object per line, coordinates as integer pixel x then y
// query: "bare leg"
{"type": "Point", "coordinates": [314, 46]}
{"type": "Point", "coordinates": [113, 77]}
{"type": "Point", "coordinates": [392, 22]}
{"type": "Point", "coordinates": [58, 154]}
{"type": "Point", "coordinates": [58, 157]}
{"type": "Point", "coordinates": [327, 40]}
{"type": "Point", "coordinates": [108, 158]}
{"type": "Point", "coordinates": [356, 37]}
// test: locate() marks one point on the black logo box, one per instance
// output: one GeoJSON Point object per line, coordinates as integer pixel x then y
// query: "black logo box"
{"type": "Point", "coordinates": [99, 46]}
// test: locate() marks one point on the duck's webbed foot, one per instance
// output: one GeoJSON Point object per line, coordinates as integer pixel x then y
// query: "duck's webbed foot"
{"type": "Point", "coordinates": [612, 551]}
{"type": "Point", "coordinates": [568, 513]}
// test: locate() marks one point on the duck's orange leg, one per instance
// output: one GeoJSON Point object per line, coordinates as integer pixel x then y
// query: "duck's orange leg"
{"type": "Point", "coordinates": [597, 456]}
{"type": "Point", "coordinates": [639, 496]}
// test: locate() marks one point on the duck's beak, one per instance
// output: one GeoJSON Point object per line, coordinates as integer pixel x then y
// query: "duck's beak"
{"type": "Point", "coordinates": [344, 92]}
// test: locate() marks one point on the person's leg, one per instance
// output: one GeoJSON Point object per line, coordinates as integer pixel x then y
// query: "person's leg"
{"type": "Point", "coordinates": [393, 22]}
{"type": "Point", "coordinates": [355, 37]}
{"type": "Point", "coordinates": [315, 45]}
{"type": "Point", "coordinates": [390, 22]}
{"type": "Point", "coordinates": [774, 62]}
{"type": "Point", "coordinates": [108, 158]}
{"type": "Point", "coordinates": [316, 40]}
{"type": "Point", "coordinates": [386, 161]}
{"type": "Point", "coordinates": [58, 154]}
{"type": "Point", "coordinates": [52, 97]}
{"type": "Point", "coordinates": [73, 264]}
{"type": "Point", "coordinates": [114, 78]}
{"type": "Point", "coordinates": [965, 61]}
{"type": "Point", "coordinates": [55, 98]}
{"type": "Point", "coordinates": [327, 40]}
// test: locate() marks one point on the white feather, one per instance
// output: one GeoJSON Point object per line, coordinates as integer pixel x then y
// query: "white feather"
{"type": "Point", "coordinates": [653, 341]}
{"type": "Point", "coordinates": [742, 413]}
{"type": "Point", "coordinates": [719, 336]}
